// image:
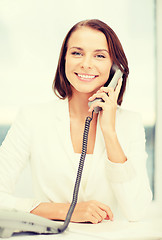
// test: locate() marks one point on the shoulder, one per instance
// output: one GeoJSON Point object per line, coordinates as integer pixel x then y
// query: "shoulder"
{"type": "Point", "coordinates": [43, 107]}
{"type": "Point", "coordinates": [129, 125]}
{"type": "Point", "coordinates": [127, 118]}
{"type": "Point", "coordinates": [127, 114]}
{"type": "Point", "coordinates": [42, 111]}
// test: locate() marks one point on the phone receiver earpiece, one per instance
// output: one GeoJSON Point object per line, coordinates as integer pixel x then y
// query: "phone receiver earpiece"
{"type": "Point", "coordinates": [113, 83]}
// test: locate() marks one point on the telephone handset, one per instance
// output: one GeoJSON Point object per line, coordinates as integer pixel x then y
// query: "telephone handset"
{"type": "Point", "coordinates": [117, 74]}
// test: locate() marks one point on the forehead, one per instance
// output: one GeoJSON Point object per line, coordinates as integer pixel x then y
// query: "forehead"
{"type": "Point", "coordinates": [86, 37]}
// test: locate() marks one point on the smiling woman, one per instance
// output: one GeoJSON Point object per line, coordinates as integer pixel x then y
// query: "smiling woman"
{"type": "Point", "coordinates": [103, 45]}
{"type": "Point", "coordinates": [87, 64]}
{"type": "Point", "coordinates": [49, 136]}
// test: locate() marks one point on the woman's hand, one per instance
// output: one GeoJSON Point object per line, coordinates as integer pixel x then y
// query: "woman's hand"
{"type": "Point", "coordinates": [91, 211]}
{"type": "Point", "coordinates": [109, 106]}
{"type": "Point", "coordinates": [107, 121]}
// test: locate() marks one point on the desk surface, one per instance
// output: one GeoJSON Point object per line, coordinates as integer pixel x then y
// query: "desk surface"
{"type": "Point", "coordinates": [148, 229]}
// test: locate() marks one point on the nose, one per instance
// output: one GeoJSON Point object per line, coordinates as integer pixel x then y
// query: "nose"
{"type": "Point", "coordinates": [86, 62]}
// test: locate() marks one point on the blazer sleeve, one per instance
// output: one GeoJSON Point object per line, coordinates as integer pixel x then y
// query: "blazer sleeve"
{"type": "Point", "coordinates": [129, 180]}
{"type": "Point", "coordinates": [14, 154]}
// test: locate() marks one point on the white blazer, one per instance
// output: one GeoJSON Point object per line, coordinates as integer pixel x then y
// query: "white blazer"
{"type": "Point", "coordinates": [41, 135]}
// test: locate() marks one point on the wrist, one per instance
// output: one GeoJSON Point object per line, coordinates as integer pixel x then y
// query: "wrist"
{"type": "Point", "coordinates": [55, 211]}
{"type": "Point", "coordinates": [61, 210]}
{"type": "Point", "coordinates": [110, 134]}
{"type": "Point", "coordinates": [114, 151]}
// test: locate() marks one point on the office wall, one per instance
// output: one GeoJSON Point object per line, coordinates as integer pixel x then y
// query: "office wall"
{"type": "Point", "coordinates": [158, 138]}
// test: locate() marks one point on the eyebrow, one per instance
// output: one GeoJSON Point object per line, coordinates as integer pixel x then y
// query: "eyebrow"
{"type": "Point", "coordinates": [97, 50]}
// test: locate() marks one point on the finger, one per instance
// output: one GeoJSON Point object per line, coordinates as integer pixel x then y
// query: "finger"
{"type": "Point", "coordinates": [109, 92]}
{"type": "Point", "coordinates": [107, 210]}
{"type": "Point", "coordinates": [110, 214]}
{"type": "Point", "coordinates": [107, 217]}
{"type": "Point", "coordinates": [95, 95]}
{"type": "Point", "coordinates": [106, 89]}
{"type": "Point", "coordinates": [97, 211]}
{"type": "Point", "coordinates": [102, 213]}
{"type": "Point", "coordinates": [102, 95]}
{"type": "Point", "coordinates": [93, 220]}
{"type": "Point", "coordinates": [97, 104]}
{"type": "Point", "coordinates": [92, 97]}
{"type": "Point", "coordinates": [97, 216]}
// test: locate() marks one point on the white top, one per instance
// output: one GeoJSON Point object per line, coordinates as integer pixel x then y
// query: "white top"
{"type": "Point", "coordinates": [41, 135]}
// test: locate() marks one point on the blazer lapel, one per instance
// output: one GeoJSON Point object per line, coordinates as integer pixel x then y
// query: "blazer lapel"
{"type": "Point", "coordinates": [63, 127]}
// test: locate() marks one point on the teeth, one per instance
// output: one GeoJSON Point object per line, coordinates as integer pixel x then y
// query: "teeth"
{"type": "Point", "coordinates": [86, 76]}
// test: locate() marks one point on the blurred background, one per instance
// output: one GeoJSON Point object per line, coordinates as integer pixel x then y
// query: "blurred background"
{"type": "Point", "coordinates": [31, 34]}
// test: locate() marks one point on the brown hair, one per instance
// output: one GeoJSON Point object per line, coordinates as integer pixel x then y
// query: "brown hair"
{"type": "Point", "coordinates": [61, 85]}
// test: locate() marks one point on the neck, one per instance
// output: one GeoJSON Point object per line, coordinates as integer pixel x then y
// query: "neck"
{"type": "Point", "coordinates": [78, 105]}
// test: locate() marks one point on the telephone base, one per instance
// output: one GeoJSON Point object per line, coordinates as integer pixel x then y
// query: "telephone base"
{"type": "Point", "coordinates": [12, 221]}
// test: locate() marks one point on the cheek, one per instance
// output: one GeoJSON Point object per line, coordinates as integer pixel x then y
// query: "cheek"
{"type": "Point", "coordinates": [105, 70]}
{"type": "Point", "coordinates": [69, 65]}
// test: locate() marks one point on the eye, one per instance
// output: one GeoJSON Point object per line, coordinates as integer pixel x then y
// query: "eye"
{"type": "Point", "coordinates": [100, 56]}
{"type": "Point", "coordinates": [76, 53]}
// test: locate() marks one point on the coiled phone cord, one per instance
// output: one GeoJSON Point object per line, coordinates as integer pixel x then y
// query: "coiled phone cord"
{"type": "Point", "coordinates": [79, 174]}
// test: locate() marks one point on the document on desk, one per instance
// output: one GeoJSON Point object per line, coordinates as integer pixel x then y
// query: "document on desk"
{"type": "Point", "coordinates": [121, 230]}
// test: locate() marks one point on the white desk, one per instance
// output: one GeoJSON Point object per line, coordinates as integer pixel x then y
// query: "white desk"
{"type": "Point", "coordinates": [148, 229]}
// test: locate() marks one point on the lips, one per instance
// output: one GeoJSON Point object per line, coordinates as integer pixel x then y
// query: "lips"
{"type": "Point", "coordinates": [86, 77]}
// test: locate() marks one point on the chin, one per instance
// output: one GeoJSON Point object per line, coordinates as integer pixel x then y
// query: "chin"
{"type": "Point", "coordinates": [88, 93]}
{"type": "Point", "coordinates": [85, 88]}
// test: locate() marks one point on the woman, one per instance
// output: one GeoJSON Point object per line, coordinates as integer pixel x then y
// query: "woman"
{"type": "Point", "coordinates": [114, 178]}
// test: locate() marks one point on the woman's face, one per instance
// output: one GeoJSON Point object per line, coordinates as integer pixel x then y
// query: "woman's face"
{"type": "Point", "coordinates": [87, 60]}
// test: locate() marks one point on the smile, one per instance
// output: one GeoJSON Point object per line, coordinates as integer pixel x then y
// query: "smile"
{"type": "Point", "coordinates": [86, 77]}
